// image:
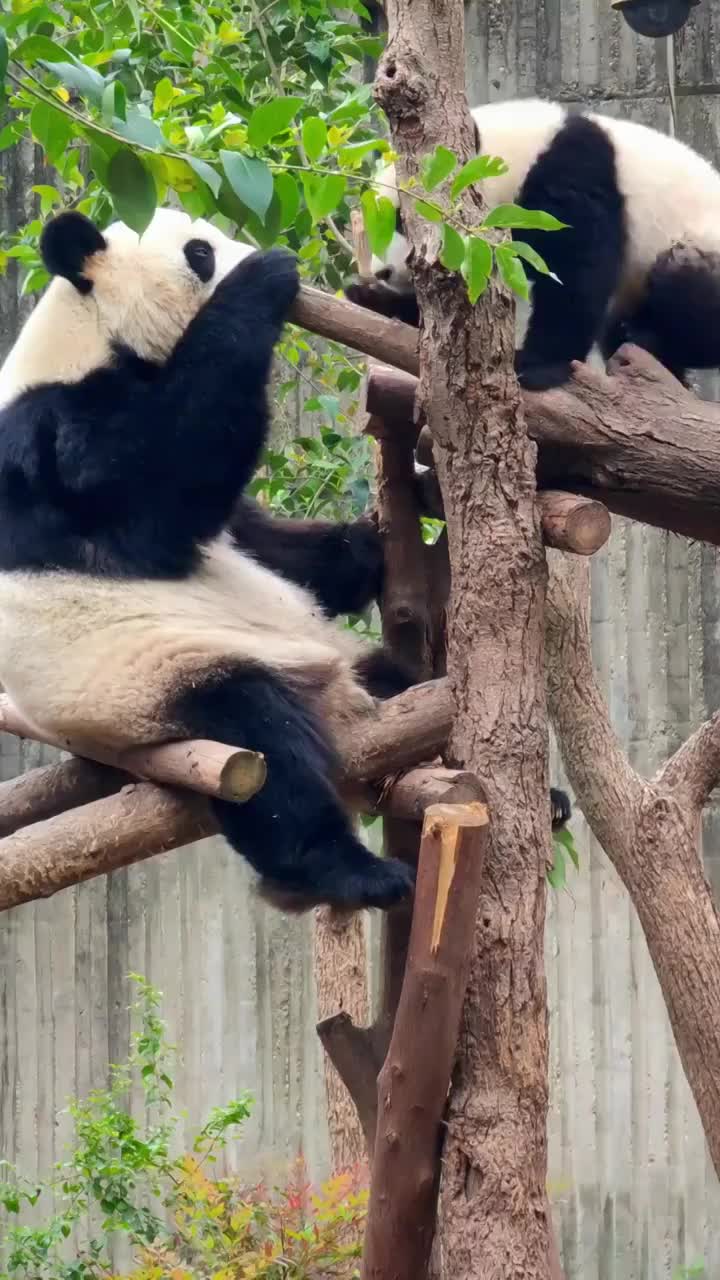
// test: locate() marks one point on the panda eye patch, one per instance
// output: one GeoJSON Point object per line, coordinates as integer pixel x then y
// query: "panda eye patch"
{"type": "Point", "coordinates": [200, 257]}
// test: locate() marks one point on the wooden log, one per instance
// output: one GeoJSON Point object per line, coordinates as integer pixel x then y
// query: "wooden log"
{"type": "Point", "coordinates": [404, 607]}
{"type": "Point", "coordinates": [573, 523]}
{"type": "Point", "coordinates": [40, 857]}
{"type": "Point", "coordinates": [414, 1081]}
{"type": "Point", "coordinates": [100, 837]}
{"type": "Point", "coordinates": [388, 399]}
{"type": "Point", "coordinates": [53, 788]}
{"type": "Point", "coordinates": [144, 819]}
{"type": "Point", "coordinates": [211, 768]}
{"type": "Point", "coordinates": [343, 321]}
{"type": "Point", "coordinates": [410, 729]}
{"type": "Point", "coordinates": [408, 795]}
{"type": "Point", "coordinates": [633, 439]}
{"type": "Point", "coordinates": [570, 522]}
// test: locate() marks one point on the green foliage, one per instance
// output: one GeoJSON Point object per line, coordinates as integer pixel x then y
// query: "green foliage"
{"type": "Point", "coordinates": [225, 108]}
{"type": "Point", "coordinates": [563, 848]}
{"type": "Point", "coordinates": [328, 475]}
{"type": "Point", "coordinates": [179, 1222]}
{"type": "Point", "coordinates": [691, 1272]}
{"type": "Point", "coordinates": [250, 116]}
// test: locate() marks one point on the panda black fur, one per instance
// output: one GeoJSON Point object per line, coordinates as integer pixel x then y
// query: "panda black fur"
{"type": "Point", "coordinates": [132, 415]}
{"type": "Point", "coordinates": [639, 262]}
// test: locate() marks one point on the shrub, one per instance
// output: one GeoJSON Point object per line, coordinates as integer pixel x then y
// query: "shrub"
{"type": "Point", "coordinates": [180, 1220]}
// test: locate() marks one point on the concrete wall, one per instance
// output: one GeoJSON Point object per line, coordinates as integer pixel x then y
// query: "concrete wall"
{"type": "Point", "coordinates": [634, 1192]}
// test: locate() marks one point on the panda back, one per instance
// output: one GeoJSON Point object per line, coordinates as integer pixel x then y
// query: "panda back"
{"type": "Point", "coordinates": [671, 194]}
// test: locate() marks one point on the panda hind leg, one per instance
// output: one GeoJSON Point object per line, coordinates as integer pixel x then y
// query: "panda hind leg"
{"type": "Point", "coordinates": [678, 317]}
{"type": "Point", "coordinates": [295, 832]}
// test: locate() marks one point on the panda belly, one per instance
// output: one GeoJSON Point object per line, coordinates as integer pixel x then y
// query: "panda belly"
{"type": "Point", "coordinates": [105, 659]}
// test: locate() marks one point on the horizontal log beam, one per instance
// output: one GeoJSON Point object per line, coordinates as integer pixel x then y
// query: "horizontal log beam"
{"type": "Point", "coordinates": [54, 788]}
{"type": "Point", "coordinates": [570, 522]}
{"type": "Point", "coordinates": [211, 768]}
{"type": "Point", "coordinates": [139, 822]}
{"type": "Point", "coordinates": [41, 857]}
{"type": "Point", "coordinates": [633, 439]}
{"type": "Point", "coordinates": [343, 321]}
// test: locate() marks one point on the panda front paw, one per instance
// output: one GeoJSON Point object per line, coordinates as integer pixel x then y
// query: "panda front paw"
{"type": "Point", "coordinates": [376, 295]}
{"type": "Point", "coordinates": [271, 277]}
{"type": "Point", "coordinates": [560, 808]}
{"type": "Point", "coordinates": [542, 377]}
{"type": "Point", "coordinates": [363, 547]}
{"type": "Point", "coordinates": [349, 884]}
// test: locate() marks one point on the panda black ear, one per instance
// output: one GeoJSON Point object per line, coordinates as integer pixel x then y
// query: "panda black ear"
{"type": "Point", "coordinates": [66, 244]}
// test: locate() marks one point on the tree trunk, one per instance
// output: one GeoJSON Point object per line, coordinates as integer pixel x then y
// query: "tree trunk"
{"type": "Point", "coordinates": [341, 985]}
{"type": "Point", "coordinates": [494, 1219]}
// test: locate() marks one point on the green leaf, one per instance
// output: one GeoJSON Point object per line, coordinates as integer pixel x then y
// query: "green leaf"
{"type": "Point", "coordinates": [452, 253]}
{"type": "Point", "coordinates": [354, 152]}
{"type": "Point", "coordinates": [271, 118]}
{"type": "Point", "coordinates": [526, 251]}
{"type": "Point", "coordinates": [564, 837]}
{"type": "Point", "coordinates": [379, 219]}
{"type": "Point", "coordinates": [251, 180]}
{"type": "Point", "coordinates": [556, 876]}
{"type": "Point", "coordinates": [141, 129]}
{"type": "Point", "coordinates": [323, 195]}
{"type": "Point", "coordinates": [52, 129]}
{"type": "Point", "coordinates": [164, 94]}
{"type": "Point", "coordinates": [35, 48]}
{"type": "Point", "coordinates": [477, 266]}
{"type": "Point", "coordinates": [314, 137]}
{"type": "Point", "coordinates": [437, 167]}
{"type": "Point", "coordinates": [428, 211]}
{"type": "Point", "coordinates": [75, 75]}
{"type": "Point", "coordinates": [179, 42]}
{"type": "Point", "coordinates": [288, 193]}
{"type": "Point", "coordinates": [511, 215]}
{"type": "Point", "coordinates": [4, 55]}
{"type": "Point", "coordinates": [512, 270]}
{"type": "Point", "coordinates": [132, 189]}
{"type": "Point", "coordinates": [206, 172]}
{"type": "Point", "coordinates": [477, 170]}
{"type": "Point", "coordinates": [113, 102]}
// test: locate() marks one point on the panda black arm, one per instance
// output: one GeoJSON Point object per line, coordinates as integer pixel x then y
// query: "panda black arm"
{"type": "Point", "coordinates": [149, 459]}
{"type": "Point", "coordinates": [211, 393]}
{"type": "Point", "coordinates": [341, 564]}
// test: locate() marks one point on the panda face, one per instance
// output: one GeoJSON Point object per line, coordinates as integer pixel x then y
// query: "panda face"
{"type": "Point", "coordinates": [116, 287]}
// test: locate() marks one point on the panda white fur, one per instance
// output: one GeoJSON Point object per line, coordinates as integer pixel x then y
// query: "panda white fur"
{"type": "Point", "coordinates": [640, 260]}
{"type": "Point", "coordinates": [132, 414]}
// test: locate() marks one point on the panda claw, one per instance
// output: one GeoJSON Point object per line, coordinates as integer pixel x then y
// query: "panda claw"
{"type": "Point", "coordinates": [560, 808]}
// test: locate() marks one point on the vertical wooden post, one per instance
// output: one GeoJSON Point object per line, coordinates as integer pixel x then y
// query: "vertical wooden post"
{"type": "Point", "coordinates": [414, 1081]}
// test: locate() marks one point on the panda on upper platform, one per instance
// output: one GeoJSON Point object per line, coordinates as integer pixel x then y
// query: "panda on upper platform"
{"type": "Point", "coordinates": [639, 262]}
{"type": "Point", "coordinates": [132, 415]}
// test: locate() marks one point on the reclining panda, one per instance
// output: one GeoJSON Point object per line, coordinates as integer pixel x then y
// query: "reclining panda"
{"type": "Point", "coordinates": [639, 261]}
{"type": "Point", "coordinates": [132, 416]}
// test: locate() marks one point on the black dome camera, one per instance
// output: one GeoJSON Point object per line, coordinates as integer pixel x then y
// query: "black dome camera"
{"type": "Point", "coordinates": [655, 17]}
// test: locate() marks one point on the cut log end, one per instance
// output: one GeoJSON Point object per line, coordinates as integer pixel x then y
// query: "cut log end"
{"type": "Point", "coordinates": [243, 774]}
{"type": "Point", "coordinates": [573, 523]}
{"type": "Point", "coordinates": [441, 818]}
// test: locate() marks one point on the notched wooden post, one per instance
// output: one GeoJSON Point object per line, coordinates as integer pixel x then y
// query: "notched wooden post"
{"type": "Point", "coordinates": [414, 1081]}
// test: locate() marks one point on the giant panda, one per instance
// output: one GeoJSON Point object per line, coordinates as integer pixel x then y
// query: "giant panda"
{"type": "Point", "coordinates": [132, 414]}
{"type": "Point", "coordinates": [639, 260]}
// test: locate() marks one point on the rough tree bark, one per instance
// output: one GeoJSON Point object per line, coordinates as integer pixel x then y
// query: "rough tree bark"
{"type": "Point", "coordinates": [413, 1083]}
{"type": "Point", "coordinates": [340, 960]}
{"type": "Point", "coordinates": [494, 1219]}
{"type": "Point", "coordinates": [650, 831]}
